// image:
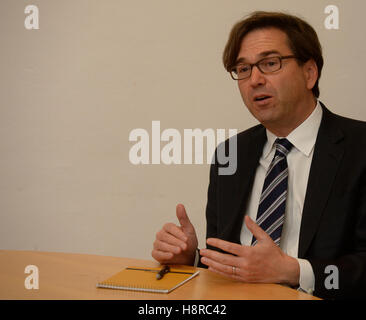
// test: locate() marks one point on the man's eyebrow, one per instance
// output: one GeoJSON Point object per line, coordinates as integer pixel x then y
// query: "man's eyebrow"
{"type": "Point", "coordinates": [261, 55]}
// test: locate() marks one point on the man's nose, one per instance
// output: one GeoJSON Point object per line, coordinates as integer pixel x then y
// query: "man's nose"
{"type": "Point", "coordinates": [257, 77]}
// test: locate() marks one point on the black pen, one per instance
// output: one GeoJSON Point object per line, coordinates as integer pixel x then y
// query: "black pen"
{"type": "Point", "coordinates": [161, 273]}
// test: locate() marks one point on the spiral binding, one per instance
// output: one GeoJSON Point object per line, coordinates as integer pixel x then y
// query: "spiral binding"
{"type": "Point", "coordinates": [125, 286]}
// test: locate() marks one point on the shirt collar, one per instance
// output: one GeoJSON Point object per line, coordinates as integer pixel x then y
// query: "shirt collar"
{"type": "Point", "coordinates": [303, 137]}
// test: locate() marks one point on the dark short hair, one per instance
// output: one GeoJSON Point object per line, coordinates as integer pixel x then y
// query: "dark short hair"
{"type": "Point", "coordinates": [302, 38]}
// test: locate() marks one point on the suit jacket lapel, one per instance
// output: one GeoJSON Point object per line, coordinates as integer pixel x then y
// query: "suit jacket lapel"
{"type": "Point", "coordinates": [248, 159]}
{"type": "Point", "coordinates": [327, 156]}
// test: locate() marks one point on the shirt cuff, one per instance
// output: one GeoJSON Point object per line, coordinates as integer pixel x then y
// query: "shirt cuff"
{"type": "Point", "coordinates": [307, 277]}
{"type": "Point", "coordinates": [197, 258]}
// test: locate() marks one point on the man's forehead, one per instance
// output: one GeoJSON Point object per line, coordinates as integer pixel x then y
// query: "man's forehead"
{"type": "Point", "coordinates": [263, 42]}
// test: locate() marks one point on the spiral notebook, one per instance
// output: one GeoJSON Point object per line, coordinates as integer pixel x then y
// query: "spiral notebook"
{"type": "Point", "coordinates": [144, 279]}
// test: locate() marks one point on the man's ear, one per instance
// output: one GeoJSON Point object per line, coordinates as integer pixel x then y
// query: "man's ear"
{"type": "Point", "coordinates": [311, 73]}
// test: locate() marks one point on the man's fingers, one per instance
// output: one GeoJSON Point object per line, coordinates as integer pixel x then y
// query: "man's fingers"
{"type": "Point", "coordinates": [166, 247]}
{"type": "Point", "coordinates": [225, 274]}
{"type": "Point", "coordinates": [227, 246]}
{"type": "Point", "coordinates": [175, 231]}
{"type": "Point", "coordinates": [222, 263]}
{"type": "Point", "coordinates": [227, 269]}
{"type": "Point", "coordinates": [183, 218]}
{"type": "Point", "coordinates": [221, 258]}
{"type": "Point", "coordinates": [161, 255]}
{"type": "Point", "coordinates": [256, 230]}
{"type": "Point", "coordinates": [172, 235]}
{"type": "Point", "coordinates": [176, 243]}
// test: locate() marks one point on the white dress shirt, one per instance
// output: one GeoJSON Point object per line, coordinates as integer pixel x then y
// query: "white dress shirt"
{"type": "Point", "coordinates": [299, 161]}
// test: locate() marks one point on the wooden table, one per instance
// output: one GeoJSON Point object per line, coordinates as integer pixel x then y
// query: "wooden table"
{"type": "Point", "coordinates": [74, 276]}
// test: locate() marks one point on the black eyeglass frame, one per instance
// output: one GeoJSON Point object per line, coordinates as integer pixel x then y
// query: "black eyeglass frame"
{"type": "Point", "coordinates": [257, 65]}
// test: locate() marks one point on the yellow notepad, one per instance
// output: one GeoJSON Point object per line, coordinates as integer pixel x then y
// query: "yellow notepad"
{"type": "Point", "coordinates": [144, 279]}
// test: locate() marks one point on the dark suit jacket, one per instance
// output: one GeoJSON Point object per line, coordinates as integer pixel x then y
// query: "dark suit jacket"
{"type": "Point", "coordinates": [333, 225]}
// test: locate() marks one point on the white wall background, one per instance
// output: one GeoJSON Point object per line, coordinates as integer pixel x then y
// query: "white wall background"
{"type": "Point", "coordinates": [71, 92]}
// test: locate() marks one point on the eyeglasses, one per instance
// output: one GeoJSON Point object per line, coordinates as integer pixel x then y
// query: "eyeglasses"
{"type": "Point", "coordinates": [266, 65]}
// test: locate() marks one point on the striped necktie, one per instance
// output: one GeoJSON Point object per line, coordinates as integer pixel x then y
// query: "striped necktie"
{"type": "Point", "coordinates": [272, 204]}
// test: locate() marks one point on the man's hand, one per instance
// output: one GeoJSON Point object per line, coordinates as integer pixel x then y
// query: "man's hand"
{"type": "Point", "coordinates": [176, 244]}
{"type": "Point", "coordinates": [265, 262]}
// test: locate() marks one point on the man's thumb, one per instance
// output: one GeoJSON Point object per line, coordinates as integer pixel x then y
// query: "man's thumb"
{"type": "Point", "coordinates": [183, 217]}
{"type": "Point", "coordinates": [256, 230]}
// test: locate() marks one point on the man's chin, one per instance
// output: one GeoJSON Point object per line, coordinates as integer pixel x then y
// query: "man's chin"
{"type": "Point", "coordinates": [265, 116]}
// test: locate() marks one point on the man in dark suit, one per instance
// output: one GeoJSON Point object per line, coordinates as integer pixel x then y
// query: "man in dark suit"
{"type": "Point", "coordinates": [301, 174]}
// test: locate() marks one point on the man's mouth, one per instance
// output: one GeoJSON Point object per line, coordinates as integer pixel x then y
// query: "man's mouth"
{"type": "Point", "coordinates": [261, 98]}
